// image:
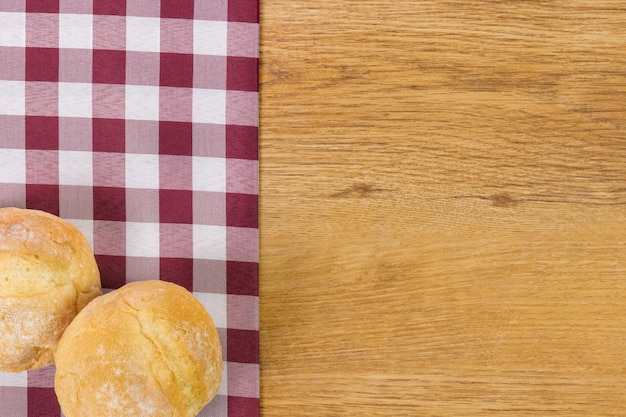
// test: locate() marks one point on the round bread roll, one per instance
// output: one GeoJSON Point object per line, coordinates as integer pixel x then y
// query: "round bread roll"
{"type": "Point", "coordinates": [48, 273]}
{"type": "Point", "coordinates": [147, 349]}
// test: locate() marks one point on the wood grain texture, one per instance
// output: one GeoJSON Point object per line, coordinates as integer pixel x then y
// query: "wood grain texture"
{"type": "Point", "coordinates": [443, 208]}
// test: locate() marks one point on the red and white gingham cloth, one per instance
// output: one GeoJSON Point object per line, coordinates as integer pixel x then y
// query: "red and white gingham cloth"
{"type": "Point", "coordinates": [137, 121]}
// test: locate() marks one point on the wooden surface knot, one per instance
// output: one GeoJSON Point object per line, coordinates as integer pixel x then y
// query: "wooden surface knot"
{"type": "Point", "coordinates": [360, 190]}
{"type": "Point", "coordinates": [503, 200]}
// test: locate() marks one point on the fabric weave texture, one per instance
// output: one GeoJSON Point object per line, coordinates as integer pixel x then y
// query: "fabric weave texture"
{"type": "Point", "coordinates": [137, 121]}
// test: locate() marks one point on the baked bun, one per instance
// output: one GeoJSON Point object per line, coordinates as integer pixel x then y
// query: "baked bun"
{"type": "Point", "coordinates": [47, 274]}
{"type": "Point", "coordinates": [147, 349]}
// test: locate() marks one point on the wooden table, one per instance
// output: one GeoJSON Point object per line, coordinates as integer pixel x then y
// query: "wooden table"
{"type": "Point", "coordinates": [443, 208]}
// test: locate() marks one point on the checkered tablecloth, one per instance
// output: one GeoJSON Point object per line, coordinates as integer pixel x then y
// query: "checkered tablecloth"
{"type": "Point", "coordinates": [137, 121]}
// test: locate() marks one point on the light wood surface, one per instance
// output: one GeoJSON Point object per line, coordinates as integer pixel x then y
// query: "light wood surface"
{"type": "Point", "coordinates": [443, 208]}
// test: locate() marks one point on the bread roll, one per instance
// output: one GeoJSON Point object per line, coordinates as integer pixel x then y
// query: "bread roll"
{"type": "Point", "coordinates": [147, 349]}
{"type": "Point", "coordinates": [47, 274]}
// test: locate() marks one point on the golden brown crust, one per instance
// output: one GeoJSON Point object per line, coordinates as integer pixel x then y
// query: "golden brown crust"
{"type": "Point", "coordinates": [147, 349]}
{"type": "Point", "coordinates": [47, 274]}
